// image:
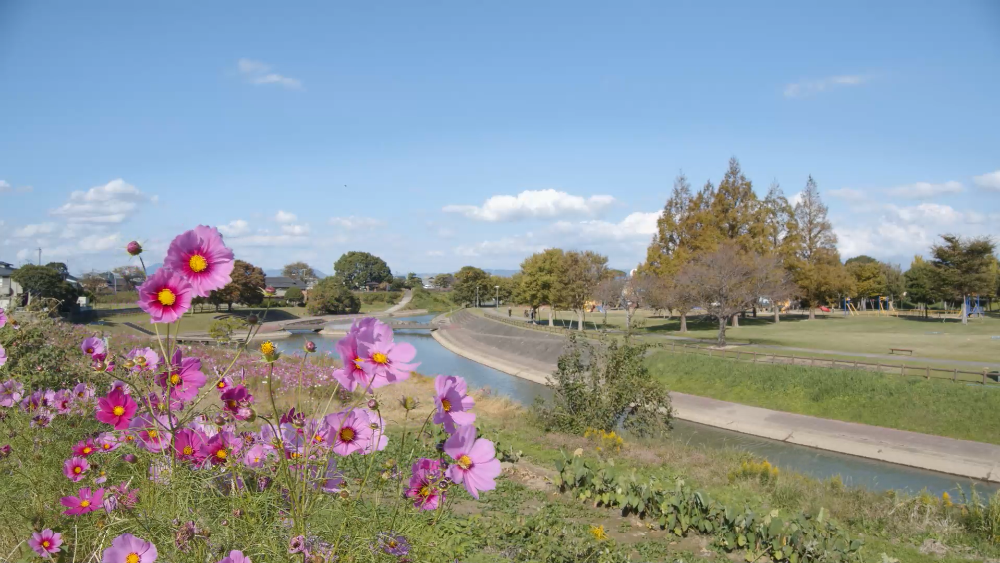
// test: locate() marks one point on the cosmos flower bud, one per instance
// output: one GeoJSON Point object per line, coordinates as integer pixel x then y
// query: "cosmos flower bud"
{"type": "Point", "coordinates": [408, 403]}
{"type": "Point", "coordinates": [5, 451]}
{"type": "Point", "coordinates": [129, 458]}
{"type": "Point", "coordinates": [134, 248]}
{"type": "Point", "coordinates": [269, 291]}
{"type": "Point", "coordinates": [372, 404]}
{"type": "Point", "coordinates": [310, 346]}
{"type": "Point", "coordinates": [252, 320]}
{"type": "Point", "coordinates": [221, 419]}
{"type": "Point", "coordinates": [129, 364]}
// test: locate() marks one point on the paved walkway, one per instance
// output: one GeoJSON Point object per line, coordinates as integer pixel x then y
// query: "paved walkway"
{"type": "Point", "coordinates": [530, 354]}
{"type": "Point", "coordinates": [407, 296]}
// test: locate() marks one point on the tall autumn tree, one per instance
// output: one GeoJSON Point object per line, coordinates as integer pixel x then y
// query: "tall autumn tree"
{"type": "Point", "coordinates": [964, 268]}
{"type": "Point", "coordinates": [737, 212]}
{"type": "Point", "coordinates": [668, 251]}
{"type": "Point", "coordinates": [579, 275]}
{"type": "Point", "coordinates": [540, 282]}
{"type": "Point", "coordinates": [816, 266]}
{"type": "Point", "coordinates": [299, 271]}
{"type": "Point", "coordinates": [246, 287]}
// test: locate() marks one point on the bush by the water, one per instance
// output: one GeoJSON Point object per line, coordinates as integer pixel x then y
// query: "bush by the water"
{"type": "Point", "coordinates": [373, 297]}
{"type": "Point", "coordinates": [330, 297]}
{"type": "Point", "coordinates": [604, 387]}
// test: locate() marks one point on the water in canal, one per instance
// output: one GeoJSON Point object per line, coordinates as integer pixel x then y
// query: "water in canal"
{"type": "Point", "coordinates": [875, 475]}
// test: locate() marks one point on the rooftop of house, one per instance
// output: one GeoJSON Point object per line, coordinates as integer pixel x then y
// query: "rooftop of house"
{"type": "Point", "coordinates": [282, 282]}
{"type": "Point", "coordinates": [6, 269]}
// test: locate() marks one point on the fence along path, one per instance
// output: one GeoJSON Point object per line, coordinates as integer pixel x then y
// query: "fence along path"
{"type": "Point", "coordinates": [984, 376]}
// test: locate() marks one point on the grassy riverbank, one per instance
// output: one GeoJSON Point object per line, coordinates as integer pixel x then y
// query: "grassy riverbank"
{"type": "Point", "coordinates": [943, 408]}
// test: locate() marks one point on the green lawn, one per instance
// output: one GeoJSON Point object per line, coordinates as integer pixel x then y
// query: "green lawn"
{"type": "Point", "coordinates": [956, 410]}
{"type": "Point", "coordinates": [198, 321]}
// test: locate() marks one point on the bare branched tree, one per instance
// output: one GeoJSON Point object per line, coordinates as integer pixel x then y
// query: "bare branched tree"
{"type": "Point", "coordinates": [609, 293]}
{"type": "Point", "coordinates": [729, 281]}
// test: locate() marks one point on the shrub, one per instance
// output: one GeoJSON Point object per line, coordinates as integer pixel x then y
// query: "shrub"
{"type": "Point", "coordinates": [294, 294]}
{"type": "Point", "coordinates": [372, 297]}
{"type": "Point", "coordinates": [222, 329]}
{"type": "Point", "coordinates": [330, 297]}
{"type": "Point", "coordinates": [604, 387]}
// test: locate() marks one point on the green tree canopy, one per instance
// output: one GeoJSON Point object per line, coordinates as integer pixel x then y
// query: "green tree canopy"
{"type": "Point", "coordinates": [331, 297]}
{"type": "Point", "coordinates": [816, 266]}
{"type": "Point", "coordinates": [59, 267]}
{"type": "Point", "coordinates": [42, 282]}
{"type": "Point", "coordinates": [299, 271]}
{"type": "Point", "coordinates": [964, 267]}
{"type": "Point", "coordinates": [294, 294]}
{"type": "Point", "coordinates": [245, 288]}
{"type": "Point", "coordinates": [921, 282]}
{"type": "Point", "coordinates": [467, 281]}
{"type": "Point", "coordinates": [540, 279]}
{"type": "Point", "coordinates": [356, 269]}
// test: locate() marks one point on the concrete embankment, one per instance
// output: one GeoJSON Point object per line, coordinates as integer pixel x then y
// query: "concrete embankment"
{"type": "Point", "coordinates": [531, 355]}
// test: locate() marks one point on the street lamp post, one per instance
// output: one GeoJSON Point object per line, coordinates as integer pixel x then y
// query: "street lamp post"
{"type": "Point", "coordinates": [497, 300]}
{"type": "Point", "coordinates": [477, 296]}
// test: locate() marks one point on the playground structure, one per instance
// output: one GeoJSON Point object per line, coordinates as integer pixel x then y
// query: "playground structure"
{"type": "Point", "coordinates": [974, 310]}
{"type": "Point", "coordinates": [884, 304]}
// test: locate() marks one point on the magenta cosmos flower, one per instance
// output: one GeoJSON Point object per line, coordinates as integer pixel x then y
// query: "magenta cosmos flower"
{"type": "Point", "coordinates": [46, 542]}
{"type": "Point", "coordinates": [3, 317]}
{"type": "Point", "coordinates": [84, 448]}
{"type": "Point", "coordinates": [425, 484]}
{"type": "Point", "coordinates": [133, 248]}
{"type": "Point", "coordinates": [200, 256]}
{"type": "Point", "coordinates": [184, 378]}
{"type": "Point", "coordinates": [476, 465]}
{"type": "Point", "coordinates": [93, 346]}
{"type": "Point", "coordinates": [235, 556]}
{"type": "Point", "coordinates": [127, 548]}
{"type": "Point", "coordinates": [219, 448]}
{"type": "Point", "coordinates": [188, 444]}
{"type": "Point", "coordinates": [236, 401]}
{"type": "Point", "coordinates": [117, 409]}
{"type": "Point", "coordinates": [166, 296]}
{"type": "Point", "coordinates": [3, 356]}
{"type": "Point", "coordinates": [85, 501]}
{"type": "Point", "coordinates": [349, 431]}
{"type": "Point", "coordinates": [10, 390]}
{"type": "Point", "coordinates": [74, 468]}
{"type": "Point", "coordinates": [453, 403]}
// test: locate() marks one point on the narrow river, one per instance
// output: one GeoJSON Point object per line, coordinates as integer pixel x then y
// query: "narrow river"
{"type": "Point", "coordinates": [854, 471]}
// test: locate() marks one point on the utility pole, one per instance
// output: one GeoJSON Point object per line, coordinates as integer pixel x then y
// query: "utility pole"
{"type": "Point", "coordinates": [477, 296]}
{"type": "Point", "coordinates": [39, 256]}
{"type": "Point", "coordinates": [497, 300]}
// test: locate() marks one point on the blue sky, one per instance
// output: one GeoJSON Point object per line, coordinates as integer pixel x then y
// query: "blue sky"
{"type": "Point", "coordinates": [451, 133]}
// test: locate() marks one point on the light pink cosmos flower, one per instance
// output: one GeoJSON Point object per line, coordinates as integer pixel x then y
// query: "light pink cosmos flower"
{"type": "Point", "coordinates": [453, 403]}
{"type": "Point", "coordinates": [93, 346]}
{"type": "Point", "coordinates": [425, 484]}
{"type": "Point", "coordinates": [476, 465]}
{"type": "Point", "coordinates": [332, 479]}
{"type": "Point", "coordinates": [154, 433]}
{"type": "Point", "coordinates": [235, 556]}
{"type": "Point", "coordinates": [379, 438]}
{"type": "Point", "coordinates": [257, 455]}
{"type": "Point", "coordinates": [83, 392]}
{"type": "Point", "coordinates": [350, 431]}
{"type": "Point", "coordinates": [85, 501]}
{"type": "Point", "coordinates": [107, 442]}
{"type": "Point", "coordinates": [387, 361]}
{"type": "Point", "coordinates": [184, 377]}
{"type": "Point", "coordinates": [352, 374]}
{"type": "Point", "coordinates": [62, 402]}
{"type": "Point", "coordinates": [117, 409]}
{"type": "Point", "coordinates": [74, 468]}
{"type": "Point", "coordinates": [144, 359]}
{"type": "Point", "coordinates": [10, 392]}
{"type": "Point", "coordinates": [165, 295]}
{"type": "Point", "coordinates": [46, 542]}
{"type": "Point", "coordinates": [3, 356]}
{"type": "Point", "coordinates": [3, 317]}
{"type": "Point", "coordinates": [202, 258]}
{"type": "Point", "coordinates": [127, 548]}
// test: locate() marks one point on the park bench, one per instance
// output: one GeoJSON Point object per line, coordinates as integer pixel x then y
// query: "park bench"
{"type": "Point", "coordinates": [894, 350]}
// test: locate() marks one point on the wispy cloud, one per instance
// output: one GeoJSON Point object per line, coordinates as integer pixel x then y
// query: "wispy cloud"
{"type": "Point", "coordinates": [111, 203]}
{"type": "Point", "coordinates": [533, 204]}
{"type": "Point", "coordinates": [989, 181]}
{"type": "Point", "coordinates": [285, 217]}
{"type": "Point", "coordinates": [924, 190]}
{"type": "Point", "coordinates": [260, 73]}
{"type": "Point", "coordinates": [811, 87]}
{"type": "Point", "coordinates": [353, 222]}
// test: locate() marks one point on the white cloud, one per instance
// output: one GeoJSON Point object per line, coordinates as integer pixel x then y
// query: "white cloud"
{"type": "Point", "coordinates": [111, 203]}
{"type": "Point", "coordinates": [888, 239]}
{"type": "Point", "coordinates": [35, 230]}
{"type": "Point", "coordinates": [262, 239]}
{"type": "Point", "coordinates": [520, 246]}
{"type": "Point", "coordinates": [295, 230]}
{"type": "Point", "coordinates": [285, 217]}
{"type": "Point", "coordinates": [235, 228]}
{"type": "Point", "coordinates": [638, 225]}
{"type": "Point", "coordinates": [810, 87]}
{"type": "Point", "coordinates": [795, 199]}
{"type": "Point", "coordinates": [4, 186]}
{"type": "Point", "coordinates": [846, 194]}
{"type": "Point", "coordinates": [533, 204]}
{"type": "Point", "coordinates": [924, 190]}
{"type": "Point", "coordinates": [353, 222]}
{"type": "Point", "coordinates": [257, 72]}
{"type": "Point", "coordinates": [990, 181]}
{"type": "Point", "coordinates": [936, 213]}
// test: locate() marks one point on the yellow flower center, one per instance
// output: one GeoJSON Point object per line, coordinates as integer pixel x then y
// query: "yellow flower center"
{"type": "Point", "coordinates": [446, 405]}
{"type": "Point", "coordinates": [346, 434]}
{"type": "Point", "coordinates": [380, 358]}
{"type": "Point", "coordinates": [425, 491]}
{"type": "Point", "coordinates": [175, 379]}
{"type": "Point", "coordinates": [46, 543]}
{"type": "Point", "coordinates": [221, 454]}
{"type": "Point", "coordinates": [221, 385]}
{"type": "Point", "coordinates": [166, 297]}
{"type": "Point", "coordinates": [78, 470]}
{"type": "Point", "coordinates": [90, 350]}
{"type": "Point", "coordinates": [267, 348]}
{"type": "Point", "coordinates": [84, 503]}
{"type": "Point", "coordinates": [197, 263]}
{"type": "Point", "coordinates": [188, 450]}
{"type": "Point", "coordinates": [118, 411]}
{"type": "Point", "coordinates": [358, 362]}
{"type": "Point", "coordinates": [108, 446]}
{"type": "Point", "coordinates": [464, 462]}
{"type": "Point", "coordinates": [256, 460]}
{"type": "Point", "coordinates": [132, 558]}
{"type": "Point", "coordinates": [317, 438]}
{"type": "Point", "coordinates": [153, 434]}
{"type": "Point", "coordinates": [87, 450]}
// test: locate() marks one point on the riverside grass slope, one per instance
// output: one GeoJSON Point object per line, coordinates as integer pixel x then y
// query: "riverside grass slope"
{"type": "Point", "coordinates": [939, 407]}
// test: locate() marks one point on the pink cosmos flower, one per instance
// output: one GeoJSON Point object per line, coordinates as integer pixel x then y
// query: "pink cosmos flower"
{"type": "Point", "coordinates": [352, 374]}
{"type": "Point", "coordinates": [3, 317]}
{"type": "Point", "coordinates": [106, 442]}
{"type": "Point", "coordinates": [476, 465]}
{"type": "Point", "coordinates": [153, 433]}
{"type": "Point", "coordinates": [202, 258]}
{"type": "Point", "coordinates": [144, 359]}
{"type": "Point", "coordinates": [379, 438]}
{"type": "Point", "coordinates": [165, 295]}
{"type": "Point", "coordinates": [119, 384]}
{"type": "Point", "coordinates": [133, 248]}
{"type": "Point", "coordinates": [257, 455]}
{"type": "Point", "coordinates": [74, 468]}
{"type": "Point", "coordinates": [62, 402]}
{"type": "Point", "coordinates": [235, 556]}
{"type": "Point", "coordinates": [85, 501]}
{"type": "Point", "coordinates": [46, 542]}
{"type": "Point", "coordinates": [184, 378]}
{"type": "Point", "coordinates": [127, 548]}
{"type": "Point", "coordinates": [349, 431]}
{"type": "Point", "coordinates": [84, 448]}
{"type": "Point", "coordinates": [82, 391]}
{"type": "Point", "coordinates": [219, 448]}
{"type": "Point", "coordinates": [387, 361]}
{"type": "Point", "coordinates": [332, 479]}
{"type": "Point", "coordinates": [224, 383]}
{"type": "Point", "coordinates": [425, 484]}
{"type": "Point", "coordinates": [3, 356]}
{"type": "Point", "coordinates": [93, 346]}
{"type": "Point", "coordinates": [117, 409]}
{"type": "Point", "coordinates": [10, 391]}
{"type": "Point", "coordinates": [453, 403]}
{"type": "Point", "coordinates": [236, 401]}
{"type": "Point", "coordinates": [188, 444]}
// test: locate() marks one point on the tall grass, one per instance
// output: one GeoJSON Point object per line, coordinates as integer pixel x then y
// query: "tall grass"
{"type": "Point", "coordinates": [943, 408]}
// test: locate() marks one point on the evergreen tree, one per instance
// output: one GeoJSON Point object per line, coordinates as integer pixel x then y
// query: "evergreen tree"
{"type": "Point", "coordinates": [667, 251]}
{"type": "Point", "coordinates": [816, 266]}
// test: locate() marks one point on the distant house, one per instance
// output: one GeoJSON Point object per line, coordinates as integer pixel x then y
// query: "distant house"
{"type": "Point", "coordinates": [10, 290]}
{"type": "Point", "coordinates": [281, 284]}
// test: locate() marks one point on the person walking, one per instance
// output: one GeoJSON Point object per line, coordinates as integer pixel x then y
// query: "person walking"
{"type": "Point", "coordinates": [508, 312]}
